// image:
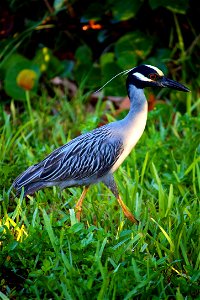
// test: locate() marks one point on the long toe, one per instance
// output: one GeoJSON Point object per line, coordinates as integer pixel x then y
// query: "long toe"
{"type": "Point", "coordinates": [126, 211]}
{"type": "Point", "coordinates": [131, 217]}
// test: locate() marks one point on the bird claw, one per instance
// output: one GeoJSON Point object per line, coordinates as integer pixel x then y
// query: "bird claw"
{"type": "Point", "coordinates": [126, 211]}
{"type": "Point", "coordinates": [131, 217]}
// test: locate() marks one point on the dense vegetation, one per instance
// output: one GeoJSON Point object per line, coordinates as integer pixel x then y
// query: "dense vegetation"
{"type": "Point", "coordinates": [53, 56]}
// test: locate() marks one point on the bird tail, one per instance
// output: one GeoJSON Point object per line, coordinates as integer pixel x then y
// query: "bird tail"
{"type": "Point", "coordinates": [29, 180]}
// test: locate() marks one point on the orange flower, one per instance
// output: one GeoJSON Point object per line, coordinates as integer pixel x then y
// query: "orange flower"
{"type": "Point", "coordinates": [26, 79]}
{"type": "Point", "coordinates": [92, 25]}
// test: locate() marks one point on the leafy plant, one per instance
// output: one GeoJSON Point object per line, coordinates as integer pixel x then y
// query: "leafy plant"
{"type": "Point", "coordinates": [46, 253]}
{"type": "Point", "coordinates": [99, 41]}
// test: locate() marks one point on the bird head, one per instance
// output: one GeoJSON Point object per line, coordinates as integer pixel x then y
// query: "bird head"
{"type": "Point", "coordinates": [147, 76]}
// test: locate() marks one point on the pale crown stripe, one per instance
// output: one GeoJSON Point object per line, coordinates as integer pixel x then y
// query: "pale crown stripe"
{"type": "Point", "coordinates": [156, 69]}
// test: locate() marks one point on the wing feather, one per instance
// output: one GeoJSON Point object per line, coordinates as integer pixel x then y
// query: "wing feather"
{"type": "Point", "coordinates": [89, 155]}
{"type": "Point", "coordinates": [93, 155]}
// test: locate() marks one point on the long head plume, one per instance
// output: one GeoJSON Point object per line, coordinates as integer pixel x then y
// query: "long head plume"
{"type": "Point", "coordinates": [121, 73]}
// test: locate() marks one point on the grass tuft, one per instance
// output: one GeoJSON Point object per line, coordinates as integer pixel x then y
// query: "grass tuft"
{"type": "Point", "coordinates": [46, 253]}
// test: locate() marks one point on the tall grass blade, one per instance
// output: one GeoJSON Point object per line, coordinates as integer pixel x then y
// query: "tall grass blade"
{"type": "Point", "coordinates": [49, 229]}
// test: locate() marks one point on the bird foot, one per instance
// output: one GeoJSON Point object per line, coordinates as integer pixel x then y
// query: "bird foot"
{"type": "Point", "coordinates": [131, 217]}
{"type": "Point", "coordinates": [127, 212]}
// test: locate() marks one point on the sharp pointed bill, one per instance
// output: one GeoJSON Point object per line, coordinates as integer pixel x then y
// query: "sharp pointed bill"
{"type": "Point", "coordinates": [166, 82]}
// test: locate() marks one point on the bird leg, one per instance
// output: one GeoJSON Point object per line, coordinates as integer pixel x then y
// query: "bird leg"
{"type": "Point", "coordinates": [78, 206]}
{"type": "Point", "coordinates": [110, 183]}
{"type": "Point", "coordinates": [126, 211]}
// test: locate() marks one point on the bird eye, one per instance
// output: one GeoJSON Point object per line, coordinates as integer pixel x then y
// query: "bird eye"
{"type": "Point", "coordinates": [153, 76]}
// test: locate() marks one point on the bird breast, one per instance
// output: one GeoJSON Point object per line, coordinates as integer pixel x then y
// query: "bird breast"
{"type": "Point", "coordinates": [131, 129]}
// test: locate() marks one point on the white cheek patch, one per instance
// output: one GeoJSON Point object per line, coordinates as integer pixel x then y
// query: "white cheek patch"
{"type": "Point", "coordinates": [160, 73]}
{"type": "Point", "coordinates": [142, 77]}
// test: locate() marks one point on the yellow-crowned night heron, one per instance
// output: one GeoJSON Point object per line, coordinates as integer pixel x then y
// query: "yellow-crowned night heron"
{"type": "Point", "coordinates": [94, 156]}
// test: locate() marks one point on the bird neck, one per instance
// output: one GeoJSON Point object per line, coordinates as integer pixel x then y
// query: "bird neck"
{"type": "Point", "coordinates": [132, 126]}
{"type": "Point", "coordinates": [138, 102]}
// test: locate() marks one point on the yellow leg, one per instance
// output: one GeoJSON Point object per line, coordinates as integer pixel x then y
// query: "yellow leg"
{"type": "Point", "coordinates": [78, 206]}
{"type": "Point", "coordinates": [126, 211]}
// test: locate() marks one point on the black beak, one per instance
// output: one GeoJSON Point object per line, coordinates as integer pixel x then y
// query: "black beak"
{"type": "Point", "coordinates": [165, 82]}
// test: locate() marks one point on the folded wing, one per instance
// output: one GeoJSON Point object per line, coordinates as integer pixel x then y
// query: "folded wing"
{"type": "Point", "coordinates": [90, 155]}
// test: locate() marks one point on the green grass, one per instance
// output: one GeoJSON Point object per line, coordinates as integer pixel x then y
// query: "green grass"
{"type": "Point", "coordinates": [47, 254]}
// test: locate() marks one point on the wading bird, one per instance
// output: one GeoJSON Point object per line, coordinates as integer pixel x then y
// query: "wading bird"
{"type": "Point", "coordinates": [94, 156]}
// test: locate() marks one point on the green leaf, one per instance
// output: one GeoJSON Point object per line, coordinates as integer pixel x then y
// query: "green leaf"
{"type": "Point", "coordinates": [172, 246]}
{"type": "Point", "coordinates": [83, 54]}
{"type": "Point", "coordinates": [133, 47]}
{"type": "Point", "coordinates": [117, 86]}
{"type": "Point", "coordinates": [68, 67]}
{"type": "Point", "coordinates": [179, 296]}
{"type": "Point", "coordinates": [124, 10]}
{"type": "Point", "coordinates": [127, 60]}
{"type": "Point", "coordinates": [175, 6]}
{"type": "Point", "coordinates": [58, 4]}
{"type": "Point", "coordinates": [107, 58]}
{"type": "Point", "coordinates": [48, 63]}
{"type": "Point", "coordinates": [11, 86]}
{"type": "Point", "coordinates": [55, 67]}
{"type": "Point", "coordinates": [10, 61]}
{"type": "Point", "coordinates": [48, 226]}
{"type": "Point", "coordinates": [93, 11]}
{"type": "Point", "coordinates": [3, 296]}
{"type": "Point", "coordinates": [87, 75]}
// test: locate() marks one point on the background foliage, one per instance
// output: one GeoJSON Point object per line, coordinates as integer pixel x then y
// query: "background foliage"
{"type": "Point", "coordinates": [53, 55]}
{"type": "Point", "coordinates": [92, 42]}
